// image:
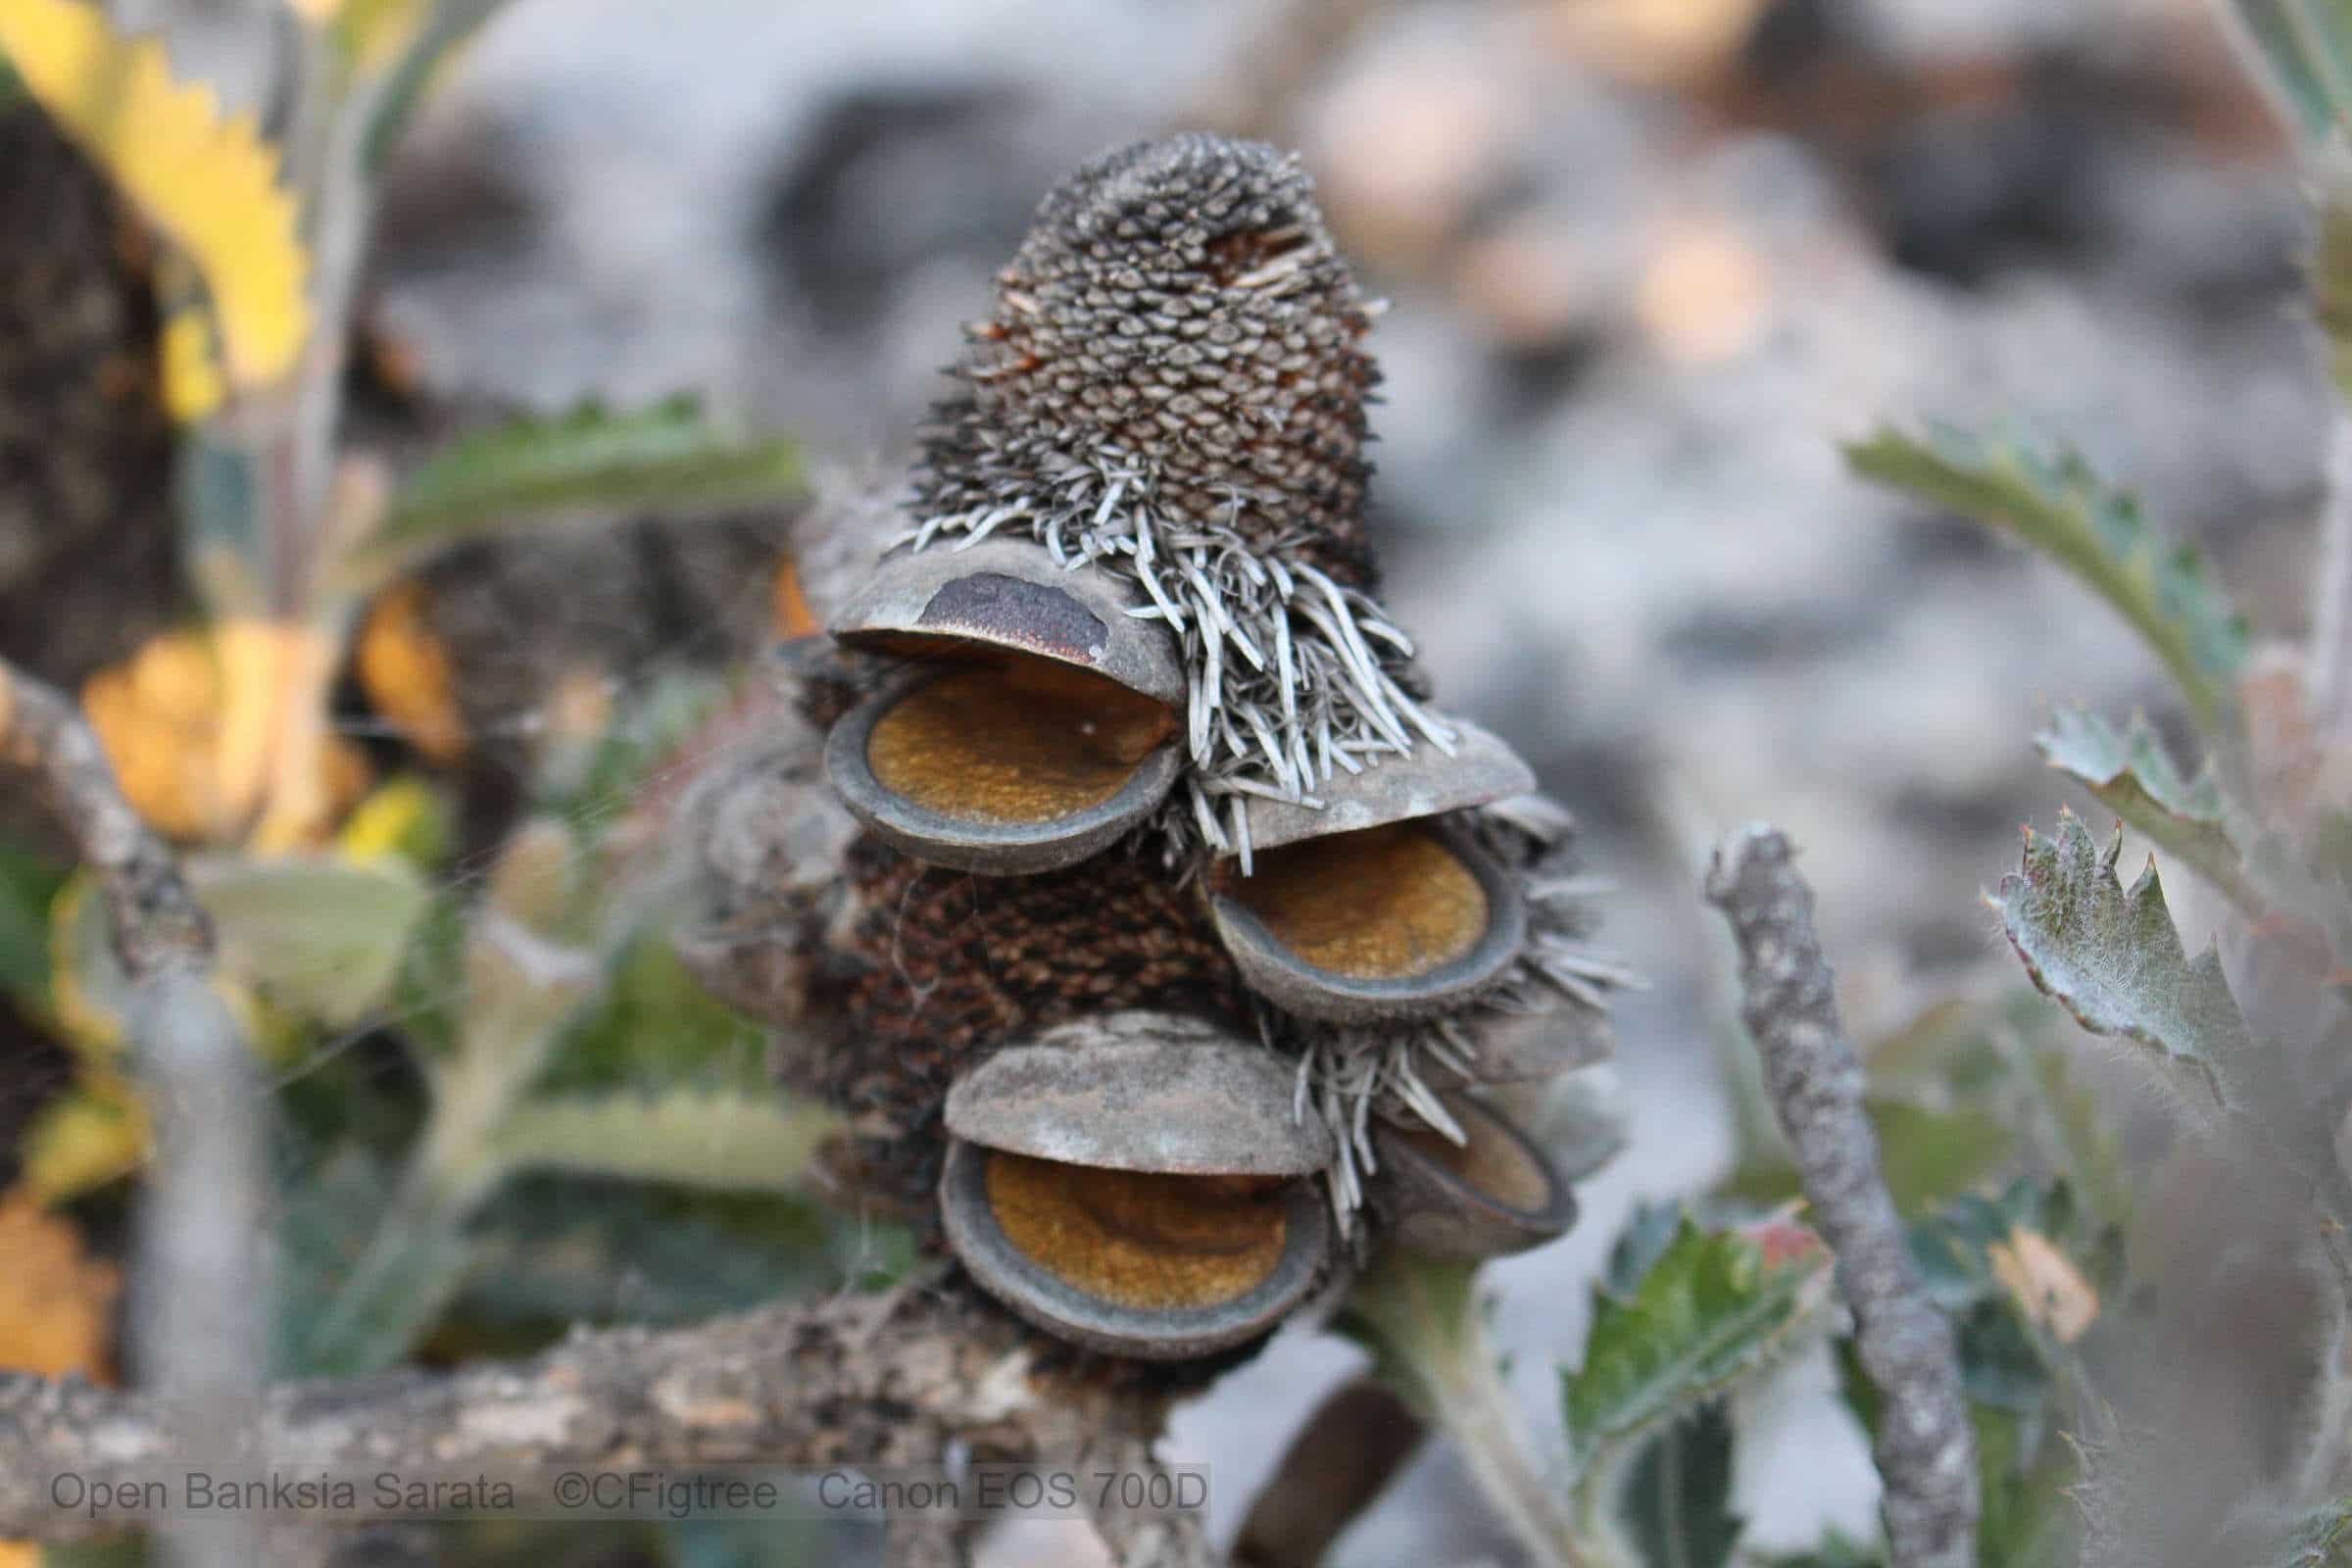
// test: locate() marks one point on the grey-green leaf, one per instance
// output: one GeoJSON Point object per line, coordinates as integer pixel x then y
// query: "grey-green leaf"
{"type": "Point", "coordinates": [320, 936]}
{"type": "Point", "coordinates": [2112, 957]}
{"type": "Point", "coordinates": [586, 462]}
{"type": "Point", "coordinates": [2056, 504]}
{"type": "Point", "coordinates": [1677, 1496]}
{"type": "Point", "coordinates": [2132, 776]}
{"type": "Point", "coordinates": [722, 1140]}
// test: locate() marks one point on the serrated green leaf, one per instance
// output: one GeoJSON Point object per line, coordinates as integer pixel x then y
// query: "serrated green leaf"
{"type": "Point", "coordinates": [1709, 1311]}
{"type": "Point", "coordinates": [322, 937]}
{"type": "Point", "coordinates": [2057, 504]}
{"type": "Point", "coordinates": [589, 461]}
{"type": "Point", "coordinates": [1676, 1498]}
{"type": "Point", "coordinates": [2132, 778]}
{"type": "Point", "coordinates": [716, 1139]}
{"type": "Point", "coordinates": [2110, 956]}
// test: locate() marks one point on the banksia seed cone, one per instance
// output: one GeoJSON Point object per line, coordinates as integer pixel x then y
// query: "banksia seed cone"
{"type": "Point", "coordinates": [1129, 617]}
{"type": "Point", "coordinates": [1178, 319]}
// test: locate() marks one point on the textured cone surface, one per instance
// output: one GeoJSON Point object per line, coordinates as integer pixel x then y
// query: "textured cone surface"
{"type": "Point", "coordinates": [940, 970]}
{"type": "Point", "coordinates": [1179, 310]}
{"type": "Point", "coordinates": [88, 566]}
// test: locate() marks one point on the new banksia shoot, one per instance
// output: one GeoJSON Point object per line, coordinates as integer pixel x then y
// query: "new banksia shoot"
{"type": "Point", "coordinates": [1151, 837]}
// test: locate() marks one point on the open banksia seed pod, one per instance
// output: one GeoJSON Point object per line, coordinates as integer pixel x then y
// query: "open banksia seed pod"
{"type": "Point", "coordinates": [1492, 1193]}
{"type": "Point", "coordinates": [1403, 919]}
{"type": "Point", "coordinates": [1156, 1267]}
{"type": "Point", "coordinates": [1038, 727]}
{"type": "Point", "coordinates": [1137, 1183]}
{"type": "Point", "coordinates": [1003, 769]}
{"type": "Point", "coordinates": [1009, 597]}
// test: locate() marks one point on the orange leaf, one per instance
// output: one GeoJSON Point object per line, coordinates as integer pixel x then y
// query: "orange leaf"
{"type": "Point", "coordinates": [407, 674]}
{"type": "Point", "coordinates": [55, 1300]}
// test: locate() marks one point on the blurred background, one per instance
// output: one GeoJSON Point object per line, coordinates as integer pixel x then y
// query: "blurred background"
{"type": "Point", "coordinates": [1648, 262]}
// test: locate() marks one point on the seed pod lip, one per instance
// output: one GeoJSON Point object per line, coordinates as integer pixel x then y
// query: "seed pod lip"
{"type": "Point", "coordinates": [1009, 593]}
{"type": "Point", "coordinates": [1432, 1204]}
{"type": "Point", "coordinates": [1035, 1294]}
{"type": "Point", "coordinates": [1143, 1091]}
{"type": "Point", "coordinates": [1274, 972]}
{"type": "Point", "coordinates": [1426, 782]}
{"type": "Point", "coordinates": [988, 848]}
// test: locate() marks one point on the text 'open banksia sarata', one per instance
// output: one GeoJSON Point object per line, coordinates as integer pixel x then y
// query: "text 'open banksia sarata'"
{"type": "Point", "coordinates": [1173, 950]}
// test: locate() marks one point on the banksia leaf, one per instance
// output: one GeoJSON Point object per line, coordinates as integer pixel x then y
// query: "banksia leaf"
{"type": "Point", "coordinates": [721, 1140]}
{"type": "Point", "coordinates": [207, 180]}
{"type": "Point", "coordinates": [2134, 778]}
{"type": "Point", "coordinates": [2109, 954]}
{"type": "Point", "coordinates": [1678, 1494]}
{"type": "Point", "coordinates": [1712, 1309]}
{"type": "Point", "coordinates": [588, 461]}
{"type": "Point", "coordinates": [2058, 506]}
{"type": "Point", "coordinates": [56, 1302]}
{"type": "Point", "coordinates": [320, 936]}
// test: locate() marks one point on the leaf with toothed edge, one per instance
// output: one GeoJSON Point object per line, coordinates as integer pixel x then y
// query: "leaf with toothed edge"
{"type": "Point", "coordinates": [2110, 956]}
{"type": "Point", "coordinates": [2132, 776]}
{"type": "Point", "coordinates": [2056, 504]}
{"type": "Point", "coordinates": [1706, 1309]}
{"type": "Point", "coordinates": [586, 461]}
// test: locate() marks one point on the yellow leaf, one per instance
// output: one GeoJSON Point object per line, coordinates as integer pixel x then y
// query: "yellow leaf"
{"type": "Point", "coordinates": [275, 752]}
{"type": "Point", "coordinates": [192, 384]}
{"type": "Point", "coordinates": [55, 1300]}
{"type": "Point", "coordinates": [205, 180]}
{"type": "Point", "coordinates": [95, 1134]}
{"type": "Point", "coordinates": [19, 1555]}
{"type": "Point", "coordinates": [206, 733]}
{"type": "Point", "coordinates": [2048, 1287]}
{"type": "Point", "coordinates": [407, 675]}
{"type": "Point", "coordinates": [401, 821]}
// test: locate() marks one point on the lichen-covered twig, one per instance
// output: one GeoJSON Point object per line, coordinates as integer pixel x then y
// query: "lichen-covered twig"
{"type": "Point", "coordinates": [197, 1338]}
{"type": "Point", "coordinates": [869, 1381]}
{"type": "Point", "coordinates": [1926, 1455]}
{"type": "Point", "coordinates": [157, 922]}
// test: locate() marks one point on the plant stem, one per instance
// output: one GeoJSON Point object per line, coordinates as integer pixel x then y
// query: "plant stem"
{"type": "Point", "coordinates": [1423, 1315]}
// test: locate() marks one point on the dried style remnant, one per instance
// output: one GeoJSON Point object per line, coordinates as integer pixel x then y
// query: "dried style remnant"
{"type": "Point", "coordinates": [1181, 937]}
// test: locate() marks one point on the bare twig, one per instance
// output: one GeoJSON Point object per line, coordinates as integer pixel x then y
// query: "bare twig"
{"type": "Point", "coordinates": [1926, 1455]}
{"type": "Point", "coordinates": [197, 1339]}
{"type": "Point", "coordinates": [1336, 1466]}
{"type": "Point", "coordinates": [857, 1381]}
